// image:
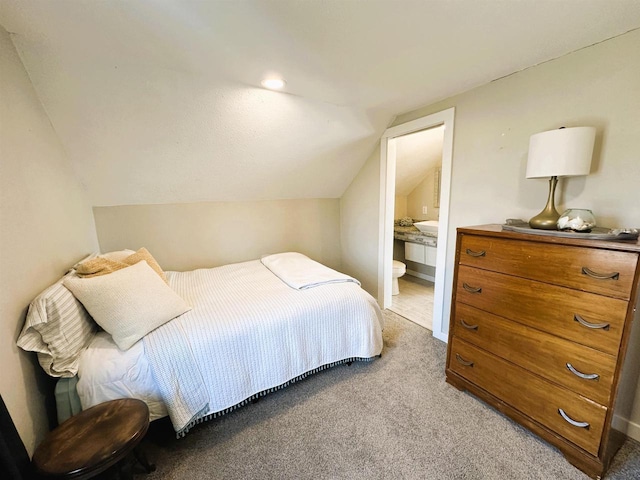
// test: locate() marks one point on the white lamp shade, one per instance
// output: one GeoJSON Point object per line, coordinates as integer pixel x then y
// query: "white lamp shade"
{"type": "Point", "coordinates": [563, 152]}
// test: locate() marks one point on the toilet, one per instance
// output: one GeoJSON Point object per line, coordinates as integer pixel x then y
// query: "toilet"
{"type": "Point", "coordinates": [399, 269]}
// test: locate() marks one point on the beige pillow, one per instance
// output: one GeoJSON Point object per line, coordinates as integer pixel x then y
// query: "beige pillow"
{"type": "Point", "coordinates": [143, 254]}
{"type": "Point", "coordinates": [103, 265]}
{"type": "Point", "coordinates": [99, 266]}
{"type": "Point", "coordinates": [117, 255]}
{"type": "Point", "coordinates": [128, 303]}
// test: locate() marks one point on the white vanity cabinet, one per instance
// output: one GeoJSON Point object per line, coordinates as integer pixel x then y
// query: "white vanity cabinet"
{"type": "Point", "coordinates": [416, 252]}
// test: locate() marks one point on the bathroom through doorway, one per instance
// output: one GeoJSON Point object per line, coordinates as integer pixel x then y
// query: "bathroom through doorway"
{"type": "Point", "coordinates": [416, 213]}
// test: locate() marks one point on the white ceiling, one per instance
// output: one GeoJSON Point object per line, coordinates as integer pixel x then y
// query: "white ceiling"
{"type": "Point", "coordinates": [159, 101]}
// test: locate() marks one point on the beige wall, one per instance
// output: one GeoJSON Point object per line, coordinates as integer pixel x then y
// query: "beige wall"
{"type": "Point", "coordinates": [595, 86]}
{"type": "Point", "coordinates": [359, 220]}
{"type": "Point", "coordinates": [192, 235]}
{"type": "Point", "coordinates": [423, 195]}
{"type": "Point", "coordinates": [400, 207]}
{"type": "Point", "coordinates": [47, 226]}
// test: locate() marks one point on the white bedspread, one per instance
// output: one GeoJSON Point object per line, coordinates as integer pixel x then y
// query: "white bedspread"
{"type": "Point", "coordinates": [249, 332]}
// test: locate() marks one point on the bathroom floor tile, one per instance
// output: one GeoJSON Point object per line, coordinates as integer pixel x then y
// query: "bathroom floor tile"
{"type": "Point", "coordinates": [415, 301]}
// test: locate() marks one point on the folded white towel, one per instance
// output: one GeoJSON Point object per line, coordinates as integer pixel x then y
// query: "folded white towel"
{"type": "Point", "coordinates": [300, 272]}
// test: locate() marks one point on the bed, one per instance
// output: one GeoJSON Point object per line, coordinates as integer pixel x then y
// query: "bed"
{"type": "Point", "coordinates": [246, 329]}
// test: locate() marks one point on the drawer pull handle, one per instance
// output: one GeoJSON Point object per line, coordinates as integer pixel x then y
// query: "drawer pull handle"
{"type": "Point", "coordinates": [586, 376]}
{"type": "Point", "coordinates": [582, 321]}
{"type": "Point", "coordinates": [601, 276]}
{"type": "Point", "coordinates": [473, 253]}
{"type": "Point", "coordinates": [572, 421]}
{"type": "Point", "coordinates": [463, 361]}
{"type": "Point", "coordinates": [467, 326]}
{"type": "Point", "coordinates": [471, 289]}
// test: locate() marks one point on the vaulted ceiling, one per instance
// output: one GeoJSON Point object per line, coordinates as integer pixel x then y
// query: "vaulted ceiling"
{"type": "Point", "coordinates": [417, 155]}
{"type": "Point", "coordinates": [160, 101]}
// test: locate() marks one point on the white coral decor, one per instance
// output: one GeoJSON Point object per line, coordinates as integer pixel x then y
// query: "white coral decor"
{"type": "Point", "coordinates": [574, 221]}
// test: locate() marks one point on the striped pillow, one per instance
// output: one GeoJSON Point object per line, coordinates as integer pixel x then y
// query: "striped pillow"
{"type": "Point", "coordinates": [58, 328]}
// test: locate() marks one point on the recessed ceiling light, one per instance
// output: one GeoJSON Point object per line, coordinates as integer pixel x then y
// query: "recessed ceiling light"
{"type": "Point", "coordinates": [273, 83]}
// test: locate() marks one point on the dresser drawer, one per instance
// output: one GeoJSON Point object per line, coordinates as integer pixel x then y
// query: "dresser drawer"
{"type": "Point", "coordinates": [605, 272]}
{"type": "Point", "coordinates": [556, 310]}
{"type": "Point", "coordinates": [560, 361]}
{"type": "Point", "coordinates": [531, 395]}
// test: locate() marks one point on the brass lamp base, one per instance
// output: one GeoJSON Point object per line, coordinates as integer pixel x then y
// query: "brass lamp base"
{"type": "Point", "coordinates": [547, 219]}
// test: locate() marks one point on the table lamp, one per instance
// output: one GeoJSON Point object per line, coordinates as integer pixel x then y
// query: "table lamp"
{"type": "Point", "coordinates": [564, 152]}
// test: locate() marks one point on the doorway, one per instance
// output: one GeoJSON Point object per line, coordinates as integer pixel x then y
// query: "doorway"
{"type": "Point", "coordinates": [388, 150]}
{"type": "Point", "coordinates": [417, 198]}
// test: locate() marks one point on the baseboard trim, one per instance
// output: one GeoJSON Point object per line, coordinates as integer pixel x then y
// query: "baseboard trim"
{"type": "Point", "coordinates": [441, 336]}
{"type": "Point", "coordinates": [624, 425]}
{"type": "Point", "coordinates": [421, 275]}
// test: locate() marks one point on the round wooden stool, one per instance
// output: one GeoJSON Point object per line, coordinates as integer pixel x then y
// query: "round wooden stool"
{"type": "Point", "coordinates": [95, 440]}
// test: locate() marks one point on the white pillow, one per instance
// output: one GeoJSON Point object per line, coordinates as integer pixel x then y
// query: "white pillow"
{"type": "Point", "coordinates": [128, 303]}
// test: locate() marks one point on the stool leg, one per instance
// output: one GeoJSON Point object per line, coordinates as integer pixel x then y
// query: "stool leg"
{"type": "Point", "coordinates": [125, 470]}
{"type": "Point", "coordinates": [141, 457]}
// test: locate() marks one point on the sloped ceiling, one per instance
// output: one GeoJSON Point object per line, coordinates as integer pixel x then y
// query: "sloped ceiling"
{"type": "Point", "coordinates": [159, 101]}
{"type": "Point", "coordinates": [417, 154]}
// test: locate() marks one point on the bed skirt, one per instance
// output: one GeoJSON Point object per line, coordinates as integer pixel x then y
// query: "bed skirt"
{"type": "Point", "coordinates": [68, 401]}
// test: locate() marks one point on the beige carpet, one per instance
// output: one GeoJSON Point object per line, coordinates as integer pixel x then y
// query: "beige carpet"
{"type": "Point", "coordinates": [392, 418]}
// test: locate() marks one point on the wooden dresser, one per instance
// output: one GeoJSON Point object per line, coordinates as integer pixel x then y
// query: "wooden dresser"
{"type": "Point", "coordinates": [539, 330]}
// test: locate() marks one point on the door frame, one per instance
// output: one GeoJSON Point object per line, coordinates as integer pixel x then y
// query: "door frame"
{"type": "Point", "coordinates": [387, 201]}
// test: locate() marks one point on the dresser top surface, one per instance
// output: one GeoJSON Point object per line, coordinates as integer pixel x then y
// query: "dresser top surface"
{"type": "Point", "coordinates": [495, 230]}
